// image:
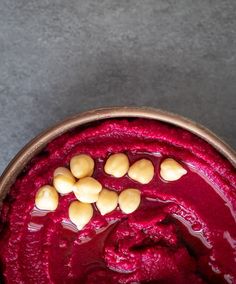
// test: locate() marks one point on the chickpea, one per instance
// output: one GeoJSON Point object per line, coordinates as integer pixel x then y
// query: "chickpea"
{"type": "Point", "coordinates": [87, 189]}
{"type": "Point", "coordinates": [47, 198]}
{"type": "Point", "coordinates": [63, 180]}
{"type": "Point", "coordinates": [171, 170]}
{"type": "Point", "coordinates": [142, 171]}
{"type": "Point", "coordinates": [117, 165]}
{"type": "Point", "coordinates": [82, 166]}
{"type": "Point", "coordinates": [107, 201]}
{"type": "Point", "coordinates": [80, 213]}
{"type": "Point", "coordinates": [129, 200]}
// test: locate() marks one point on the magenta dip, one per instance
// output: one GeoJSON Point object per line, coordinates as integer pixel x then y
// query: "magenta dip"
{"type": "Point", "coordinates": [183, 231]}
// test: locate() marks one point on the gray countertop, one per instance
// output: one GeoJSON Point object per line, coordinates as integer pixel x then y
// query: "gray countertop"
{"type": "Point", "coordinates": [58, 58]}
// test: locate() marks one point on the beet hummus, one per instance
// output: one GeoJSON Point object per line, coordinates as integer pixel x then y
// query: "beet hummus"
{"type": "Point", "coordinates": [184, 231]}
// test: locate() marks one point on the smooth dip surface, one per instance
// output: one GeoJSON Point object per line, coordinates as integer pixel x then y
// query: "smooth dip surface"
{"type": "Point", "coordinates": [184, 231]}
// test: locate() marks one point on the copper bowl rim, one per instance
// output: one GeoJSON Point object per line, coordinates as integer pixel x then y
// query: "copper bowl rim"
{"type": "Point", "coordinates": [39, 142]}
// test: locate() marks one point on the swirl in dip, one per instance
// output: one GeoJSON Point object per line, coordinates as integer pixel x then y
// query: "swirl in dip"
{"type": "Point", "coordinates": [183, 231]}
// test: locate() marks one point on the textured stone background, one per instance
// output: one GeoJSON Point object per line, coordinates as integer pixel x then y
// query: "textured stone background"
{"type": "Point", "coordinates": [58, 58]}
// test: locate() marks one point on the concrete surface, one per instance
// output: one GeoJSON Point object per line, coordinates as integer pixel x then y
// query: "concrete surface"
{"type": "Point", "coordinates": [58, 58]}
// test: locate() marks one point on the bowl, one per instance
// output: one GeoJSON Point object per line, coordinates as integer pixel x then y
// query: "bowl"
{"type": "Point", "coordinates": [36, 145]}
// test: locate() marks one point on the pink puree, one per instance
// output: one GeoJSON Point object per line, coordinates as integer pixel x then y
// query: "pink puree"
{"type": "Point", "coordinates": [183, 231]}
